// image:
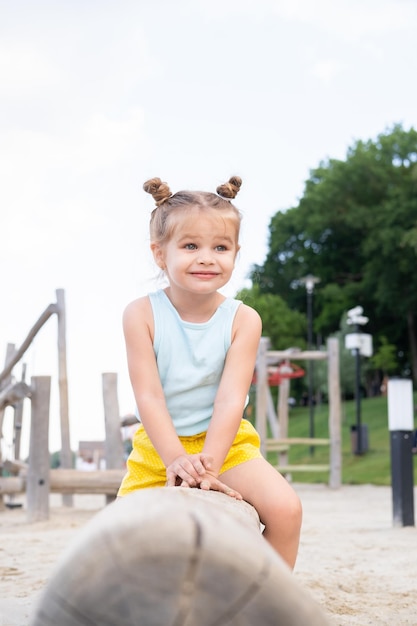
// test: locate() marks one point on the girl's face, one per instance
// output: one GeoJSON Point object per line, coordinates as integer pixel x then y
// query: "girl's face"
{"type": "Point", "coordinates": [200, 256]}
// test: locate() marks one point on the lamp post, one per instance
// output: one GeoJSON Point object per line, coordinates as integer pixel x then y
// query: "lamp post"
{"type": "Point", "coordinates": [400, 423]}
{"type": "Point", "coordinates": [355, 342]}
{"type": "Point", "coordinates": [309, 281]}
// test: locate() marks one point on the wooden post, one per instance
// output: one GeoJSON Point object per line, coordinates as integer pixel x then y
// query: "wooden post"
{"type": "Point", "coordinates": [18, 420]}
{"type": "Point", "coordinates": [335, 413]}
{"type": "Point", "coordinates": [66, 454]}
{"type": "Point", "coordinates": [283, 395]}
{"type": "Point", "coordinates": [113, 443]}
{"type": "Point", "coordinates": [10, 351]}
{"type": "Point", "coordinates": [38, 480]}
{"type": "Point", "coordinates": [262, 391]}
{"type": "Point", "coordinates": [175, 556]}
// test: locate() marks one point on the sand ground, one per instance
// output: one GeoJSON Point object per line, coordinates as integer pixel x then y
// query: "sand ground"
{"type": "Point", "coordinates": [353, 560]}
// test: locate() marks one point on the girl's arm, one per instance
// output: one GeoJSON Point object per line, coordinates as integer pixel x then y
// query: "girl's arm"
{"type": "Point", "coordinates": [138, 329]}
{"type": "Point", "coordinates": [234, 385]}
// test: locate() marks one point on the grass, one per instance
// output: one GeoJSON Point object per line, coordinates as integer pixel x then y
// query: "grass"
{"type": "Point", "coordinates": [371, 467]}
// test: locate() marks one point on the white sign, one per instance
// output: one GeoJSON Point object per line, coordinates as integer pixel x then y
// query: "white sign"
{"type": "Point", "coordinates": [363, 341]}
{"type": "Point", "coordinates": [400, 404]}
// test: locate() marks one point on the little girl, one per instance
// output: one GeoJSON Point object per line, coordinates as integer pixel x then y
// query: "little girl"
{"type": "Point", "coordinates": [191, 355]}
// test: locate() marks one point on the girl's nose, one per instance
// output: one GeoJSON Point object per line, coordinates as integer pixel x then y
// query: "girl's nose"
{"type": "Point", "coordinates": [205, 257]}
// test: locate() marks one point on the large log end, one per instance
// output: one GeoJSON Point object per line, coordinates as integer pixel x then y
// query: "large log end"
{"type": "Point", "coordinates": [174, 556]}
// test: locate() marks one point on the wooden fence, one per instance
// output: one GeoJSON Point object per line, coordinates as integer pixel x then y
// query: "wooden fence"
{"type": "Point", "coordinates": [36, 478]}
{"type": "Point", "coordinates": [278, 422]}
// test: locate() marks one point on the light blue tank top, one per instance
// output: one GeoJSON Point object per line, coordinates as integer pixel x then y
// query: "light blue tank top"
{"type": "Point", "coordinates": [190, 360]}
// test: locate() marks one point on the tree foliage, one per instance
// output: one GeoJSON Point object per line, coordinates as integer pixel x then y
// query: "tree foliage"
{"type": "Point", "coordinates": [285, 328]}
{"type": "Point", "coordinates": [356, 229]}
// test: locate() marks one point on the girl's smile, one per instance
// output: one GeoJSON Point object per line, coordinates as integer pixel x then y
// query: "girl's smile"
{"type": "Point", "coordinates": [200, 256]}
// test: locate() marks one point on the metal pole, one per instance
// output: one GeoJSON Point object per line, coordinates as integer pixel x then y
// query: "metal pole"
{"type": "Point", "coordinates": [358, 403]}
{"type": "Point", "coordinates": [402, 477]}
{"type": "Point", "coordinates": [400, 422]}
{"type": "Point", "coordinates": [310, 364]}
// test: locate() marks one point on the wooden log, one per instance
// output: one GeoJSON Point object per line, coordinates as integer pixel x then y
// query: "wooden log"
{"type": "Point", "coordinates": [106, 482]}
{"type": "Point", "coordinates": [13, 394]}
{"type": "Point", "coordinates": [174, 556]}
{"type": "Point", "coordinates": [50, 310]}
{"type": "Point", "coordinates": [11, 485]}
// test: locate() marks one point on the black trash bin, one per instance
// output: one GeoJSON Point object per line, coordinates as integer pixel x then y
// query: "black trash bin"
{"type": "Point", "coordinates": [364, 442]}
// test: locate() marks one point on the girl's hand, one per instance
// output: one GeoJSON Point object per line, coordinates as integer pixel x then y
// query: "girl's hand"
{"type": "Point", "coordinates": [188, 470]}
{"type": "Point", "coordinates": [210, 481]}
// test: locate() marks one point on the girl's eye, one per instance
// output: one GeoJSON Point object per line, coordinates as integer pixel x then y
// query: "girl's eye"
{"type": "Point", "coordinates": [221, 248]}
{"type": "Point", "coordinates": [190, 246]}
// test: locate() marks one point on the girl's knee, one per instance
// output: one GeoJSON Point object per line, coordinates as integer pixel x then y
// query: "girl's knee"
{"type": "Point", "coordinates": [295, 509]}
{"type": "Point", "coordinates": [289, 510]}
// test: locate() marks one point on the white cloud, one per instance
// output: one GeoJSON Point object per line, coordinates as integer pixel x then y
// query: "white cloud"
{"type": "Point", "coordinates": [350, 19]}
{"type": "Point", "coordinates": [326, 70]}
{"type": "Point", "coordinates": [104, 142]}
{"type": "Point", "coordinates": [23, 67]}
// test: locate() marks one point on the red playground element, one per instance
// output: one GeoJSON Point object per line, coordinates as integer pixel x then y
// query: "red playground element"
{"type": "Point", "coordinates": [276, 374]}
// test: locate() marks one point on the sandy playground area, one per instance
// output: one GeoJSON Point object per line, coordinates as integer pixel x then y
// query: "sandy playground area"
{"type": "Point", "coordinates": [359, 567]}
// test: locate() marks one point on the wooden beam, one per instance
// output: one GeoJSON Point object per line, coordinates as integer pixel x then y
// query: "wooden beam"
{"type": "Point", "coordinates": [284, 469]}
{"type": "Point", "coordinates": [50, 310]}
{"type": "Point", "coordinates": [174, 556]}
{"type": "Point", "coordinates": [70, 481]}
{"type": "Point", "coordinates": [275, 356]}
{"type": "Point", "coordinates": [75, 481]}
{"type": "Point", "coordinates": [298, 440]}
{"type": "Point", "coordinates": [14, 394]}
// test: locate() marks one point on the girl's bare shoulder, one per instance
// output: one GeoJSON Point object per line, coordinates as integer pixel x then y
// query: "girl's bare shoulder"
{"type": "Point", "coordinates": [248, 315]}
{"type": "Point", "coordinates": [138, 311]}
{"type": "Point", "coordinates": [248, 321]}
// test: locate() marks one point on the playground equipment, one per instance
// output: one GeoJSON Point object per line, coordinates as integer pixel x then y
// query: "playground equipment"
{"type": "Point", "coordinates": [277, 374]}
{"type": "Point", "coordinates": [174, 556]}
{"type": "Point", "coordinates": [36, 478]}
{"type": "Point", "coordinates": [266, 366]}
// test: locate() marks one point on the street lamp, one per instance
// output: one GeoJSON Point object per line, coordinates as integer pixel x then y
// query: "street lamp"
{"type": "Point", "coordinates": [360, 344]}
{"type": "Point", "coordinates": [309, 281]}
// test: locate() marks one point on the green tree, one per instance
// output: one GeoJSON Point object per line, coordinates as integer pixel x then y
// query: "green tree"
{"type": "Point", "coordinates": [356, 229]}
{"type": "Point", "coordinates": [285, 328]}
{"type": "Point", "coordinates": [385, 358]}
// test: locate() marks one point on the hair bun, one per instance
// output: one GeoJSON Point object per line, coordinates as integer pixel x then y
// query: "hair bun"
{"type": "Point", "coordinates": [159, 190]}
{"type": "Point", "coordinates": [230, 189]}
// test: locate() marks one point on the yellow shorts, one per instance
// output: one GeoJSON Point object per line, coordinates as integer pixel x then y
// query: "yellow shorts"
{"type": "Point", "coordinates": [146, 469]}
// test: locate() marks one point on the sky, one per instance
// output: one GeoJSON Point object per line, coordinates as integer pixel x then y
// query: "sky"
{"type": "Point", "coordinates": [97, 96]}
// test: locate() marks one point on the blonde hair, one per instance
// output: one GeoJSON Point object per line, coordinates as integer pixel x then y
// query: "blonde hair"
{"type": "Point", "coordinates": [168, 205]}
